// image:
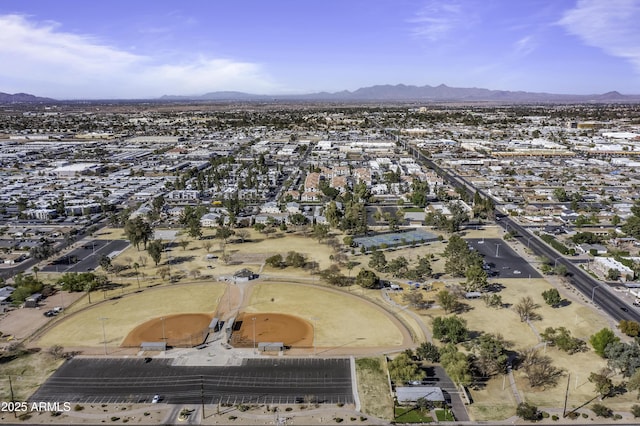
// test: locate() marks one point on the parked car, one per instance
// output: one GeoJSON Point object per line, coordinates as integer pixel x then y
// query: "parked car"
{"type": "Point", "coordinates": [156, 399]}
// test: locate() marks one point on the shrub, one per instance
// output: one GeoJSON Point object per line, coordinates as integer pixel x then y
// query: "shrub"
{"type": "Point", "coordinates": [635, 410]}
{"type": "Point", "coordinates": [528, 412]}
{"type": "Point", "coordinates": [363, 419]}
{"type": "Point", "coordinates": [233, 417]}
{"type": "Point", "coordinates": [24, 416]}
{"type": "Point", "coordinates": [602, 410]}
{"type": "Point", "coordinates": [617, 416]}
{"type": "Point", "coordinates": [115, 418]}
{"type": "Point", "coordinates": [338, 419]}
{"type": "Point", "coordinates": [78, 407]}
{"type": "Point", "coordinates": [288, 409]}
{"type": "Point", "coordinates": [585, 416]}
{"type": "Point", "coordinates": [554, 418]}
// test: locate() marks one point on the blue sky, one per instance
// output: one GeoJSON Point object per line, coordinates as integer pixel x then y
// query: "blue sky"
{"type": "Point", "coordinates": [70, 49]}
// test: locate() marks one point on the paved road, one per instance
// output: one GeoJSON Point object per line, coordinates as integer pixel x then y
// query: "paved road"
{"type": "Point", "coordinates": [590, 287]}
{"type": "Point", "coordinates": [257, 381]}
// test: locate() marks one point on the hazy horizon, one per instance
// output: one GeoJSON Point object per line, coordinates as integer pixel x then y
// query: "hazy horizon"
{"type": "Point", "coordinates": [144, 50]}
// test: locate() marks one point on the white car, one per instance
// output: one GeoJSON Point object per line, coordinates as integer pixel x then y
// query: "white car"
{"type": "Point", "coordinates": [516, 272]}
{"type": "Point", "coordinates": [156, 399]}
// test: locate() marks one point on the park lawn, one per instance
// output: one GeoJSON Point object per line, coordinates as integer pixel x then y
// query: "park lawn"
{"type": "Point", "coordinates": [492, 402]}
{"type": "Point", "coordinates": [373, 388]}
{"type": "Point", "coordinates": [341, 319]}
{"type": "Point", "coordinates": [412, 415]}
{"type": "Point", "coordinates": [444, 415]}
{"type": "Point", "coordinates": [28, 372]}
{"type": "Point", "coordinates": [85, 329]}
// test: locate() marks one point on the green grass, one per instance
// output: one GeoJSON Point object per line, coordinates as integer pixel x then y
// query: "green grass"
{"type": "Point", "coordinates": [411, 415]}
{"type": "Point", "coordinates": [444, 415]}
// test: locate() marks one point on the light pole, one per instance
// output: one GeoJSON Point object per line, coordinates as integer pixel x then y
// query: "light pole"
{"type": "Point", "coordinates": [254, 334]}
{"type": "Point", "coordinates": [104, 333]}
{"type": "Point", "coordinates": [163, 335]}
{"type": "Point", "coordinates": [314, 319]}
{"type": "Point", "coordinates": [497, 249]}
{"type": "Point", "coordinates": [528, 241]}
{"type": "Point", "coordinates": [593, 292]}
{"type": "Point", "coordinates": [555, 262]}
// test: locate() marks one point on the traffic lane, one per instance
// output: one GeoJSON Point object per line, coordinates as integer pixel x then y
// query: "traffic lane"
{"type": "Point", "coordinates": [265, 381]}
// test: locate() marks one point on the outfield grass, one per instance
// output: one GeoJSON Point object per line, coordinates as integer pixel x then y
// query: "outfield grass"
{"type": "Point", "coordinates": [85, 328]}
{"type": "Point", "coordinates": [340, 319]}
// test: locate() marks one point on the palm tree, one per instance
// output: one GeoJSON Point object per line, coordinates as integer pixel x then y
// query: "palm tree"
{"type": "Point", "coordinates": [35, 271]}
{"type": "Point", "coordinates": [136, 267]}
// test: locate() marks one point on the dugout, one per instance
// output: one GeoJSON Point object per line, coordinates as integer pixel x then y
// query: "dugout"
{"type": "Point", "coordinates": [214, 325]}
{"type": "Point", "coordinates": [270, 346]}
{"type": "Point", "coordinates": [153, 346]}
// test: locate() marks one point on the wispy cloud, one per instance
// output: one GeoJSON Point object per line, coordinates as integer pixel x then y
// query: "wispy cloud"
{"type": "Point", "coordinates": [525, 45]}
{"type": "Point", "coordinates": [611, 25]}
{"type": "Point", "coordinates": [37, 54]}
{"type": "Point", "coordinates": [437, 20]}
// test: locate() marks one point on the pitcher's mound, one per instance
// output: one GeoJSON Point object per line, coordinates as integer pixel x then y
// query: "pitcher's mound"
{"type": "Point", "coordinates": [181, 330]}
{"type": "Point", "coordinates": [288, 329]}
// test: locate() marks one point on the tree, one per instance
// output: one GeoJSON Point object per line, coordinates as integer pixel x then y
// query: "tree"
{"type": "Point", "coordinates": [601, 410]}
{"type": "Point", "coordinates": [207, 244]}
{"type": "Point", "coordinates": [138, 231]}
{"type": "Point", "coordinates": [613, 274]}
{"type": "Point", "coordinates": [630, 328]}
{"type": "Point", "coordinates": [552, 297]}
{"type": "Point", "coordinates": [275, 261]}
{"type": "Point", "coordinates": [105, 263]}
{"type": "Point", "coordinates": [623, 357]}
{"type": "Point", "coordinates": [492, 300]}
{"type": "Point", "coordinates": [456, 364]}
{"type": "Point", "coordinates": [634, 383]}
{"type": "Point", "coordinates": [403, 370]}
{"type": "Point", "coordinates": [562, 339]}
{"type": "Point", "coordinates": [155, 249]}
{"type": "Point", "coordinates": [320, 231]}
{"type": "Point", "coordinates": [223, 233]}
{"type": "Point", "coordinates": [525, 308]}
{"type": "Point", "coordinates": [398, 266]}
{"type": "Point", "coordinates": [447, 300]}
{"type": "Point", "coordinates": [184, 244]}
{"type": "Point", "coordinates": [528, 412]}
{"type": "Point", "coordinates": [427, 351]}
{"type": "Point", "coordinates": [602, 383]}
{"type": "Point", "coordinates": [490, 352]}
{"type": "Point", "coordinates": [539, 369]}
{"type": "Point", "coordinates": [476, 278]}
{"type": "Point", "coordinates": [450, 329]}
{"type": "Point", "coordinates": [601, 340]}
{"type": "Point", "coordinates": [378, 260]}
{"type": "Point", "coordinates": [367, 279]}
{"type": "Point", "coordinates": [243, 234]}
{"type": "Point", "coordinates": [295, 259]}
{"type": "Point", "coordinates": [414, 298]}
{"type": "Point", "coordinates": [136, 266]}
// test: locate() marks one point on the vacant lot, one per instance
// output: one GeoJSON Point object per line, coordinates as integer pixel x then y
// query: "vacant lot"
{"type": "Point", "coordinates": [122, 315]}
{"type": "Point", "coordinates": [339, 318]}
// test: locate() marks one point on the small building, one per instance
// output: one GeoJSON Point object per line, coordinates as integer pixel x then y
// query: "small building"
{"type": "Point", "coordinates": [270, 346]}
{"type": "Point", "coordinates": [32, 301]}
{"type": "Point", "coordinates": [410, 394]}
{"type": "Point", "coordinates": [244, 275]}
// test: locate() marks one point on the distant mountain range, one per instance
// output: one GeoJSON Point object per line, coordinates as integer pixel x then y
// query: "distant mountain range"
{"type": "Point", "coordinates": [379, 93]}
{"type": "Point", "coordinates": [405, 93]}
{"type": "Point", "coordinates": [22, 98]}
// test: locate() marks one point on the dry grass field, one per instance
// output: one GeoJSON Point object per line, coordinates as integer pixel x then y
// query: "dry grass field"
{"type": "Point", "coordinates": [28, 373]}
{"type": "Point", "coordinates": [340, 319]}
{"type": "Point", "coordinates": [85, 328]}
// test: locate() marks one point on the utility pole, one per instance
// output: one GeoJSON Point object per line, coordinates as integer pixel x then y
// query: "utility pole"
{"type": "Point", "coordinates": [12, 397]}
{"type": "Point", "coordinates": [104, 334]}
{"type": "Point", "coordinates": [202, 394]}
{"type": "Point", "coordinates": [566, 396]}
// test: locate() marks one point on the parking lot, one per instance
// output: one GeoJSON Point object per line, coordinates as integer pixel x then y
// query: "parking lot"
{"type": "Point", "coordinates": [86, 257]}
{"type": "Point", "coordinates": [256, 381]}
{"type": "Point", "coordinates": [502, 260]}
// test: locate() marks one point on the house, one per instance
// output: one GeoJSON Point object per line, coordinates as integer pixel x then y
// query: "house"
{"type": "Point", "coordinates": [410, 394]}
{"type": "Point", "coordinates": [293, 208]}
{"type": "Point", "coordinates": [270, 207]}
{"type": "Point", "coordinates": [244, 275]}
{"type": "Point", "coordinates": [5, 293]}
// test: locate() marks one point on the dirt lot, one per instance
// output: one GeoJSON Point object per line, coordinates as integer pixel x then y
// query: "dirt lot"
{"type": "Point", "coordinates": [20, 323]}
